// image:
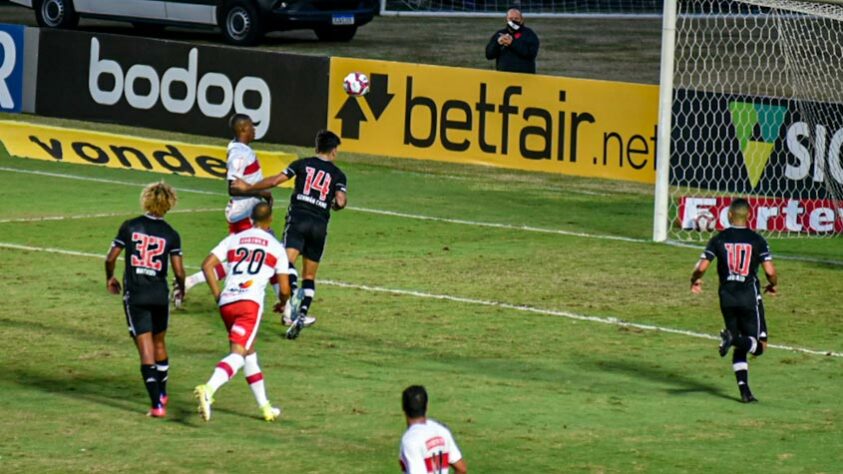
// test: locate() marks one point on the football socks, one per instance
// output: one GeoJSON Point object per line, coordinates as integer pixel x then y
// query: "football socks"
{"type": "Point", "coordinates": [151, 382]}
{"type": "Point", "coordinates": [309, 290]}
{"type": "Point", "coordinates": [162, 368]}
{"type": "Point", "coordinates": [254, 377]}
{"type": "Point", "coordinates": [294, 278]}
{"type": "Point", "coordinates": [224, 371]}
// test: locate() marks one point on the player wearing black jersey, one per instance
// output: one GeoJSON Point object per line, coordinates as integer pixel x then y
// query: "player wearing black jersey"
{"type": "Point", "coordinates": [320, 186]}
{"type": "Point", "coordinates": [739, 251]}
{"type": "Point", "coordinates": [148, 241]}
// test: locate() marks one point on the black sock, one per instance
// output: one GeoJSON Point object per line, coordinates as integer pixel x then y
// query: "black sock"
{"type": "Point", "coordinates": [309, 289]}
{"type": "Point", "coordinates": [294, 278]}
{"type": "Point", "coordinates": [151, 382]}
{"type": "Point", "coordinates": [741, 368]}
{"type": "Point", "coordinates": [162, 368]}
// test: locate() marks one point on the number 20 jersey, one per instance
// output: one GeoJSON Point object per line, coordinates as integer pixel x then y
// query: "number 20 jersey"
{"type": "Point", "coordinates": [317, 183]}
{"type": "Point", "coordinates": [253, 257]}
{"type": "Point", "coordinates": [149, 242]}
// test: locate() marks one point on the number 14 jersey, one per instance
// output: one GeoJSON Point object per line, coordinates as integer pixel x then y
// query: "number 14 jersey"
{"type": "Point", "coordinates": [253, 257]}
{"type": "Point", "coordinates": [317, 183]}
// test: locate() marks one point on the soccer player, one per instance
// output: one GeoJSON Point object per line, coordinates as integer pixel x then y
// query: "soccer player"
{"type": "Point", "coordinates": [427, 447]}
{"type": "Point", "coordinates": [320, 187]}
{"type": "Point", "coordinates": [739, 251]}
{"type": "Point", "coordinates": [254, 256]}
{"type": "Point", "coordinates": [148, 241]}
{"type": "Point", "coordinates": [242, 164]}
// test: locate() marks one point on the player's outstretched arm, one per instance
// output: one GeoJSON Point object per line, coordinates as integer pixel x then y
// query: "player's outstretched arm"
{"type": "Point", "coordinates": [246, 189]}
{"type": "Point", "coordinates": [208, 265]}
{"type": "Point", "coordinates": [696, 276]}
{"type": "Point", "coordinates": [111, 283]}
{"type": "Point", "coordinates": [772, 278]}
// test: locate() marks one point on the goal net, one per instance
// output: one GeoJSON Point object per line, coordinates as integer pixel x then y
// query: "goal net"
{"type": "Point", "coordinates": [533, 8]}
{"type": "Point", "coordinates": [757, 112]}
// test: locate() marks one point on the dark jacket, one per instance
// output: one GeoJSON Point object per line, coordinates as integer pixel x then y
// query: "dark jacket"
{"type": "Point", "coordinates": [520, 56]}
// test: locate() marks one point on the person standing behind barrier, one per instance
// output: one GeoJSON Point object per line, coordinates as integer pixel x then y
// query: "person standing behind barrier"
{"type": "Point", "coordinates": [515, 47]}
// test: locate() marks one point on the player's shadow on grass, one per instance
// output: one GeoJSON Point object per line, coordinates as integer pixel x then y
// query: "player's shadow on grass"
{"type": "Point", "coordinates": [679, 383]}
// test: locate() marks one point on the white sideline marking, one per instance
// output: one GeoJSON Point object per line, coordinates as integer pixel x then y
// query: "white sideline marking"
{"type": "Point", "coordinates": [94, 216]}
{"type": "Point", "coordinates": [458, 299]}
{"type": "Point", "coordinates": [434, 219]}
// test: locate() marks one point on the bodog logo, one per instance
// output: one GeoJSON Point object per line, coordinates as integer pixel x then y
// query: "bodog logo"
{"type": "Point", "coordinates": [84, 147]}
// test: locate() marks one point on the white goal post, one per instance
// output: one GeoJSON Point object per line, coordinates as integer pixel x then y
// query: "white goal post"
{"type": "Point", "coordinates": [751, 106]}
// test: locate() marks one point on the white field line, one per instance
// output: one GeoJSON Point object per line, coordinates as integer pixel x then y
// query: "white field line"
{"type": "Point", "coordinates": [97, 215]}
{"type": "Point", "coordinates": [523, 228]}
{"type": "Point", "coordinates": [472, 301]}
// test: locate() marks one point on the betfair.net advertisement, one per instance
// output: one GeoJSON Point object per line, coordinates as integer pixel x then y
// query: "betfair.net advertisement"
{"type": "Point", "coordinates": [40, 142]}
{"type": "Point", "coordinates": [530, 122]}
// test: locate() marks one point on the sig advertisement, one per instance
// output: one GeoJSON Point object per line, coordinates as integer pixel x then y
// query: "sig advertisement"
{"type": "Point", "coordinates": [540, 123]}
{"type": "Point", "coordinates": [11, 67]}
{"type": "Point", "coordinates": [40, 142]}
{"type": "Point", "coordinates": [180, 86]}
{"type": "Point", "coordinates": [757, 145]}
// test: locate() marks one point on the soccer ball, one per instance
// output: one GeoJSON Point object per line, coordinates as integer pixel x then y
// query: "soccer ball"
{"type": "Point", "coordinates": [356, 84]}
{"type": "Point", "coordinates": [705, 222]}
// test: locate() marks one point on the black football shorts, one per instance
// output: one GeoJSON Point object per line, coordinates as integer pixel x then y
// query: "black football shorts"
{"type": "Point", "coordinates": [145, 318]}
{"type": "Point", "coordinates": [306, 234]}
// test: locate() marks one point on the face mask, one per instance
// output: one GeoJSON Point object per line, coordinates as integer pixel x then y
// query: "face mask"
{"type": "Point", "coordinates": [514, 25]}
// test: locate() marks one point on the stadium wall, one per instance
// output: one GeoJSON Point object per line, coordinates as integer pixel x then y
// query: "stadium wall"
{"type": "Point", "coordinates": [180, 86]}
{"type": "Point", "coordinates": [532, 122]}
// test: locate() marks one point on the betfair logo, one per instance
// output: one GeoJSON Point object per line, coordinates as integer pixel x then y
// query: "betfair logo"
{"type": "Point", "coordinates": [753, 122]}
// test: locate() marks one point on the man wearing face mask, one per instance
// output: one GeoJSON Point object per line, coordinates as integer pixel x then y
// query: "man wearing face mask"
{"type": "Point", "coordinates": [515, 47]}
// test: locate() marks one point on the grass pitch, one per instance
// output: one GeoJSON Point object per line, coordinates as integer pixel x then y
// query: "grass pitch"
{"type": "Point", "coordinates": [524, 391]}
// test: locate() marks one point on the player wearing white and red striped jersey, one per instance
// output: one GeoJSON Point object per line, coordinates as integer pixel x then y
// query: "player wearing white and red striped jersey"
{"type": "Point", "coordinates": [254, 256]}
{"type": "Point", "coordinates": [427, 446]}
{"type": "Point", "coordinates": [242, 164]}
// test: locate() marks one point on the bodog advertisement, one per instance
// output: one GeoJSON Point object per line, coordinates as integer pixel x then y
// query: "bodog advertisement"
{"type": "Point", "coordinates": [182, 87]}
{"type": "Point", "coordinates": [40, 142]}
{"type": "Point", "coordinates": [540, 123]}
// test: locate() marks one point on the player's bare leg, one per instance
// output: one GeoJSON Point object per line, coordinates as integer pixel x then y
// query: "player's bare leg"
{"type": "Point", "coordinates": [146, 350]}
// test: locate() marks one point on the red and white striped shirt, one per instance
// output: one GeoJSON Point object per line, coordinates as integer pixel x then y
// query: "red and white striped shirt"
{"type": "Point", "coordinates": [253, 257]}
{"type": "Point", "coordinates": [428, 448]}
{"type": "Point", "coordinates": [242, 163]}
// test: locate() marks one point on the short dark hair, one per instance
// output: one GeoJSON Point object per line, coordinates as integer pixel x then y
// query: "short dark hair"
{"type": "Point", "coordinates": [326, 141]}
{"type": "Point", "coordinates": [237, 119]}
{"type": "Point", "coordinates": [261, 212]}
{"type": "Point", "coordinates": [414, 401]}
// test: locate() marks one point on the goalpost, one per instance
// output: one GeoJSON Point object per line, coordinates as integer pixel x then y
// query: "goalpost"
{"type": "Point", "coordinates": [751, 105]}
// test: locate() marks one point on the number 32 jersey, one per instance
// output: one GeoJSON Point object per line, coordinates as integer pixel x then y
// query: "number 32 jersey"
{"type": "Point", "coordinates": [253, 257]}
{"type": "Point", "coordinates": [149, 242]}
{"type": "Point", "coordinates": [317, 183]}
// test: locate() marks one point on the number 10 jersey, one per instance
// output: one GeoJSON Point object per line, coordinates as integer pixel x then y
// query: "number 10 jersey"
{"type": "Point", "coordinates": [253, 257]}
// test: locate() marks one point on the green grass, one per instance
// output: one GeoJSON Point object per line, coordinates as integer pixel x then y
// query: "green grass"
{"type": "Point", "coordinates": [523, 392]}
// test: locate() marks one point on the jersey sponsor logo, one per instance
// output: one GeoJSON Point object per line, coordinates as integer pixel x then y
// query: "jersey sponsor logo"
{"type": "Point", "coordinates": [811, 216]}
{"type": "Point", "coordinates": [11, 67]}
{"type": "Point", "coordinates": [40, 142]}
{"type": "Point", "coordinates": [246, 284]}
{"type": "Point", "coordinates": [194, 88]}
{"type": "Point", "coordinates": [540, 123]}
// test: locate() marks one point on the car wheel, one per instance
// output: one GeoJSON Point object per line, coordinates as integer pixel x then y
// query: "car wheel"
{"type": "Point", "coordinates": [240, 23]}
{"type": "Point", "coordinates": [56, 14]}
{"type": "Point", "coordinates": [336, 33]}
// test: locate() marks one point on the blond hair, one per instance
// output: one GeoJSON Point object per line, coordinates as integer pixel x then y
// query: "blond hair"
{"type": "Point", "coordinates": [158, 198]}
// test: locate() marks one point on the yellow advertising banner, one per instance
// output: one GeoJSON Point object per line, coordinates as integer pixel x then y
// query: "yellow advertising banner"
{"type": "Point", "coordinates": [42, 142]}
{"type": "Point", "coordinates": [530, 122]}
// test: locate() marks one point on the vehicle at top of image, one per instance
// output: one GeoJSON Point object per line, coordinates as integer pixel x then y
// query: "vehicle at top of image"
{"type": "Point", "coordinates": [243, 22]}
